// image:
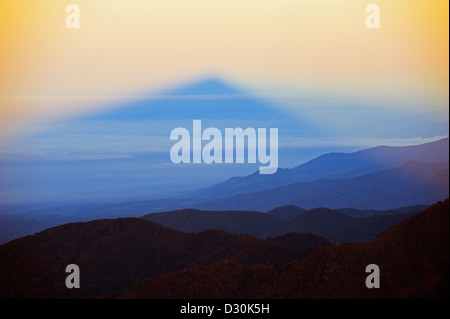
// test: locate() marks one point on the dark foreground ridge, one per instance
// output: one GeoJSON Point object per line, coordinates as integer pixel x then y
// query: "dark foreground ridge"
{"type": "Point", "coordinates": [135, 258]}
{"type": "Point", "coordinates": [112, 254]}
{"type": "Point", "coordinates": [413, 257]}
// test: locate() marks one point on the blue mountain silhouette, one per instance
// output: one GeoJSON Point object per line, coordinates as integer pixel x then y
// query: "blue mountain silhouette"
{"type": "Point", "coordinates": [413, 183]}
{"type": "Point", "coordinates": [333, 166]}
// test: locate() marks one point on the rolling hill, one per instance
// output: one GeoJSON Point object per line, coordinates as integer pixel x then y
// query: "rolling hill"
{"type": "Point", "coordinates": [112, 254]}
{"type": "Point", "coordinates": [135, 258]}
{"type": "Point", "coordinates": [331, 224]}
{"type": "Point", "coordinates": [413, 258]}
{"type": "Point", "coordinates": [287, 212]}
{"type": "Point", "coordinates": [236, 222]}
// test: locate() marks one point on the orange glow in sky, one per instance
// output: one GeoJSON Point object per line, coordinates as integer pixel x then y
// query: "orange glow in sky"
{"type": "Point", "coordinates": [134, 46]}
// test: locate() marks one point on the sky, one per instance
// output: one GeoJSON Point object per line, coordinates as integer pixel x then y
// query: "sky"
{"type": "Point", "coordinates": [129, 47]}
{"type": "Point", "coordinates": [313, 62]}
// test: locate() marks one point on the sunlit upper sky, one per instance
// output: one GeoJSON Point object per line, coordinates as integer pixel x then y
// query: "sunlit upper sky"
{"type": "Point", "coordinates": [128, 47]}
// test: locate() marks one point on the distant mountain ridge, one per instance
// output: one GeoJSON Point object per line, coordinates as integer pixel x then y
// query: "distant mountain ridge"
{"type": "Point", "coordinates": [423, 184]}
{"type": "Point", "coordinates": [342, 165]}
{"type": "Point", "coordinates": [333, 166]}
{"type": "Point", "coordinates": [410, 184]}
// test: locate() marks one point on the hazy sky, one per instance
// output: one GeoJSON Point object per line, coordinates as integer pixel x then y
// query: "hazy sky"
{"type": "Point", "coordinates": [128, 47]}
{"type": "Point", "coordinates": [313, 59]}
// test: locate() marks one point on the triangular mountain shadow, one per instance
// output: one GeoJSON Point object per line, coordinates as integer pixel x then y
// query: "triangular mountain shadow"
{"type": "Point", "coordinates": [208, 99]}
{"type": "Point", "coordinates": [206, 87]}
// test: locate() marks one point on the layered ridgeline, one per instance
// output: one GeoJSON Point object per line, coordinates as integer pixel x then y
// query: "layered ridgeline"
{"type": "Point", "coordinates": [331, 180]}
{"type": "Point", "coordinates": [335, 166]}
{"type": "Point", "coordinates": [413, 183]}
{"type": "Point", "coordinates": [413, 258]}
{"type": "Point", "coordinates": [348, 224]}
{"type": "Point", "coordinates": [136, 258]}
{"type": "Point", "coordinates": [377, 178]}
{"type": "Point", "coordinates": [335, 225]}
